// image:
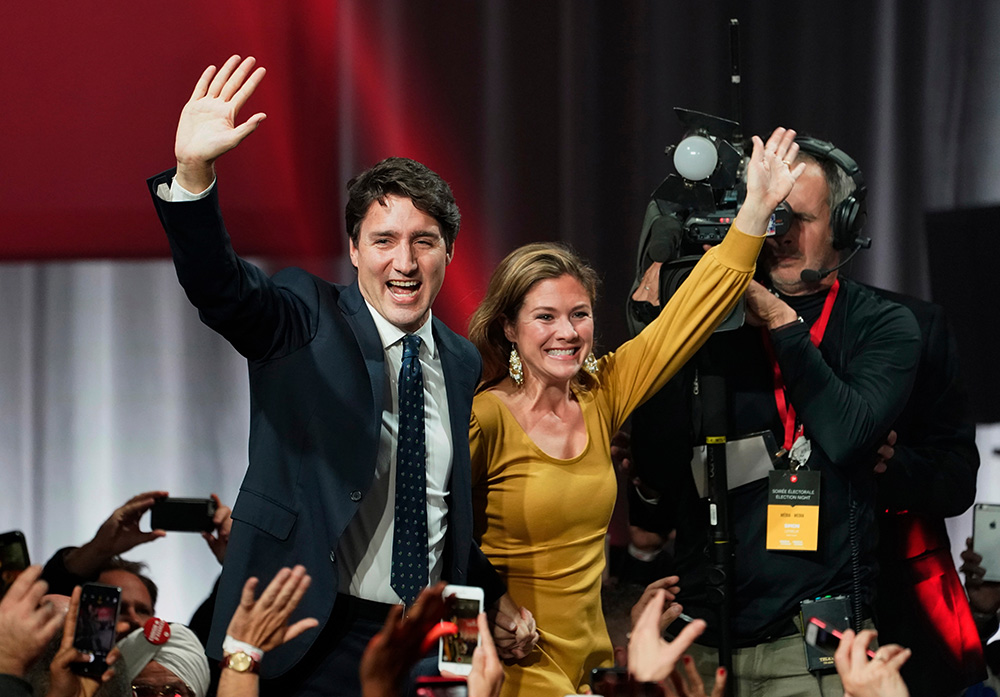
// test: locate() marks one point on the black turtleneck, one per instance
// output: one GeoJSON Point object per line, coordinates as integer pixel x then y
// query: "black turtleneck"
{"type": "Point", "coordinates": [847, 393]}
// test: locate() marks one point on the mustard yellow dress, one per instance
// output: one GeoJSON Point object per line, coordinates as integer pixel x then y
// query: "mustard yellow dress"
{"type": "Point", "coordinates": [542, 520]}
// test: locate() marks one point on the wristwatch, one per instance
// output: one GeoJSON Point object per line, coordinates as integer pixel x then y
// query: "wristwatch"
{"type": "Point", "coordinates": [241, 662]}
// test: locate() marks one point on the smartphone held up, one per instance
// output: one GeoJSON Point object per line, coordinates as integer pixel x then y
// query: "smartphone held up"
{"type": "Point", "coordinates": [13, 558]}
{"type": "Point", "coordinates": [986, 537]}
{"type": "Point", "coordinates": [455, 650]}
{"type": "Point", "coordinates": [183, 514]}
{"type": "Point", "coordinates": [95, 627]}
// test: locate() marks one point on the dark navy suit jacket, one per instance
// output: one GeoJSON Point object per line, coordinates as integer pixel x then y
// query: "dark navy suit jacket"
{"type": "Point", "coordinates": [316, 399]}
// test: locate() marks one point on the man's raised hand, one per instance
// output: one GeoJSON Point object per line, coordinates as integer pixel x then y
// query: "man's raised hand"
{"type": "Point", "coordinates": [208, 124]}
{"type": "Point", "coordinates": [117, 535]}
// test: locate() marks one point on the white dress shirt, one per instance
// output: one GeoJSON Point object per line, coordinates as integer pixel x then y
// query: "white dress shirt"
{"type": "Point", "coordinates": [365, 548]}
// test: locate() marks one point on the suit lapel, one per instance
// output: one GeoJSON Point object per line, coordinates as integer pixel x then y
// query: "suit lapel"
{"type": "Point", "coordinates": [459, 378]}
{"type": "Point", "coordinates": [352, 303]}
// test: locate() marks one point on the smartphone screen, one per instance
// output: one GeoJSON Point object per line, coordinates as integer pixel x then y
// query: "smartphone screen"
{"type": "Point", "coordinates": [986, 538]}
{"type": "Point", "coordinates": [13, 558]}
{"type": "Point", "coordinates": [95, 626]}
{"type": "Point", "coordinates": [183, 515]}
{"type": "Point", "coordinates": [455, 650]}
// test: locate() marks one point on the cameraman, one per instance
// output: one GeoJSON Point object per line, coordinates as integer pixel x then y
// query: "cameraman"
{"type": "Point", "coordinates": [822, 365]}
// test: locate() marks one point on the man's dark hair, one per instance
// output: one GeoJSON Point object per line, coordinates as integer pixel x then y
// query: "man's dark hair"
{"type": "Point", "coordinates": [137, 568]}
{"type": "Point", "coordinates": [401, 176]}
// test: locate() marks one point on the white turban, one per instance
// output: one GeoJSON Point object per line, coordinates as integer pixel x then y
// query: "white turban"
{"type": "Point", "coordinates": [182, 654]}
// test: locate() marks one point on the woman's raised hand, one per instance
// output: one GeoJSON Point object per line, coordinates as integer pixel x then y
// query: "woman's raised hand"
{"type": "Point", "coordinates": [771, 174]}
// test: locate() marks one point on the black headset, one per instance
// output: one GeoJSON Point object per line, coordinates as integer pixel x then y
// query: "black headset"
{"type": "Point", "coordinates": [849, 217]}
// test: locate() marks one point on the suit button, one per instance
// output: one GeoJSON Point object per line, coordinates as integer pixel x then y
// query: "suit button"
{"type": "Point", "coordinates": [355, 496]}
{"type": "Point", "coordinates": [333, 557]}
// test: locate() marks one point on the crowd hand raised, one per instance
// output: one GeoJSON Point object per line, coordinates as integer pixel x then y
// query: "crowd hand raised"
{"type": "Point", "coordinates": [691, 684]}
{"type": "Point", "coordinates": [392, 652]}
{"type": "Point", "coordinates": [984, 596]}
{"type": "Point", "coordinates": [650, 657]}
{"type": "Point", "coordinates": [770, 178]}
{"type": "Point", "coordinates": [263, 622]}
{"type": "Point", "coordinates": [670, 590]}
{"type": "Point", "coordinates": [118, 534]}
{"type": "Point", "coordinates": [63, 681]}
{"type": "Point", "coordinates": [208, 124]}
{"type": "Point", "coordinates": [514, 631]}
{"type": "Point", "coordinates": [222, 521]}
{"type": "Point", "coordinates": [878, 677]}
{"type": "Point", "coordinates": [25, 626]}
{"type": "Point", "coordinates": [765, 309]}
{"type": "Point", "coordinates": [486, 677]}
{"type": "Point", "coordinates": [886, 452]}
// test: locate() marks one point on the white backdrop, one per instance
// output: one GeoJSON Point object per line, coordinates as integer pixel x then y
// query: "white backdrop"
{"type": "Point", "coordinates": [111, 386]}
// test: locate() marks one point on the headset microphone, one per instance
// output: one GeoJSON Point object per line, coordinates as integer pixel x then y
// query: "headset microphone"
{"type": "Point", "coordinates": [814, 276]}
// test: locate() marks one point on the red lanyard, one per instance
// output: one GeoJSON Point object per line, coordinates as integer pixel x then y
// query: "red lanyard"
{"type": "Point", "coordinates": [785, 410]}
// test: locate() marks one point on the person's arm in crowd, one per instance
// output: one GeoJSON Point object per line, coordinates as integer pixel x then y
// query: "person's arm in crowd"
{"type": "Point", "coordinates": [984, 596]}
{"type": "Point", "coordinates": [218, 541]}
{"type": "Point", "coordinates": [848, 414]}
{"type": "Point", "coordinates": [222, 524]}
{"type": "Point", "coordinates": [486, 677]}
{"type": "Point", "coordinates": [402, 641]}
{"type": "Point", "coordinates": [931, 467]}
{"type": "Point", "coordinates": [392, 652]}
{"type": "Point", "coordinates": [118, 534]}
{"type": "Point", "coordinates": [690, 683]}
{"type": "Point", "coordinates": [650, 657]}
{"type": "Point", "coordinates": [878, 677]}
{"type": "Point", "coordinates": [26, 627]}
{"type": "Point", "coordinates": [262, 623]}
{"type": "Point", "coordinates": [651, 661]}
{"type": "Point", "coordinates": [63, 681]}
{"type": "Point", "coordinates": [670, 590]}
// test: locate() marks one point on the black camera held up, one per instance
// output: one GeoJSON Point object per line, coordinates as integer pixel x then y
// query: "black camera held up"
{"type": "Point", "coordinates": [693, 208]}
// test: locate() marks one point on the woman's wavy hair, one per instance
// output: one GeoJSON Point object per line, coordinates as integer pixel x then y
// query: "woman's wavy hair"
{"type": "Point", "coordinates": [511, 281]}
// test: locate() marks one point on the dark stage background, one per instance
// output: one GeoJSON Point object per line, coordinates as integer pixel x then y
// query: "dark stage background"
{"type": "Point", "coordinates": [549, 118]}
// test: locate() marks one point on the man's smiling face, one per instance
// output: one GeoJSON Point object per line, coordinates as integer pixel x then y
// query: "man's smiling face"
{"type": "Point", "coordinates": [401, 257]}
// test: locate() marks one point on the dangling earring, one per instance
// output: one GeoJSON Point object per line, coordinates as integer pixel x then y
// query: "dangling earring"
{"type": "Point", "coordinates": [590, 364]}
{"type": "Point", "coordinates": [515, 369]}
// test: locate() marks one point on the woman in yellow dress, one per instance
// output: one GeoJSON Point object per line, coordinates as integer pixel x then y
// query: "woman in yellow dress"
{"type": "Point", "coordinates": [542, 420]}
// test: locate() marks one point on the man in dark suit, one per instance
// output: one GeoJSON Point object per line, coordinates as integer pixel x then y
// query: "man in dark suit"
{"type": "Point", "coordinates": [324, 481]}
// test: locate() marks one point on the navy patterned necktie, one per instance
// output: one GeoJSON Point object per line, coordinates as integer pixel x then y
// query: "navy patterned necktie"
{"type": "Point", "coordinates": [409, 541]}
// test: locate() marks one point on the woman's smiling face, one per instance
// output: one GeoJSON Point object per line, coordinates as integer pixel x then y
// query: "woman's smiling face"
{"type": "Point", "coordinates": [554, 330]}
